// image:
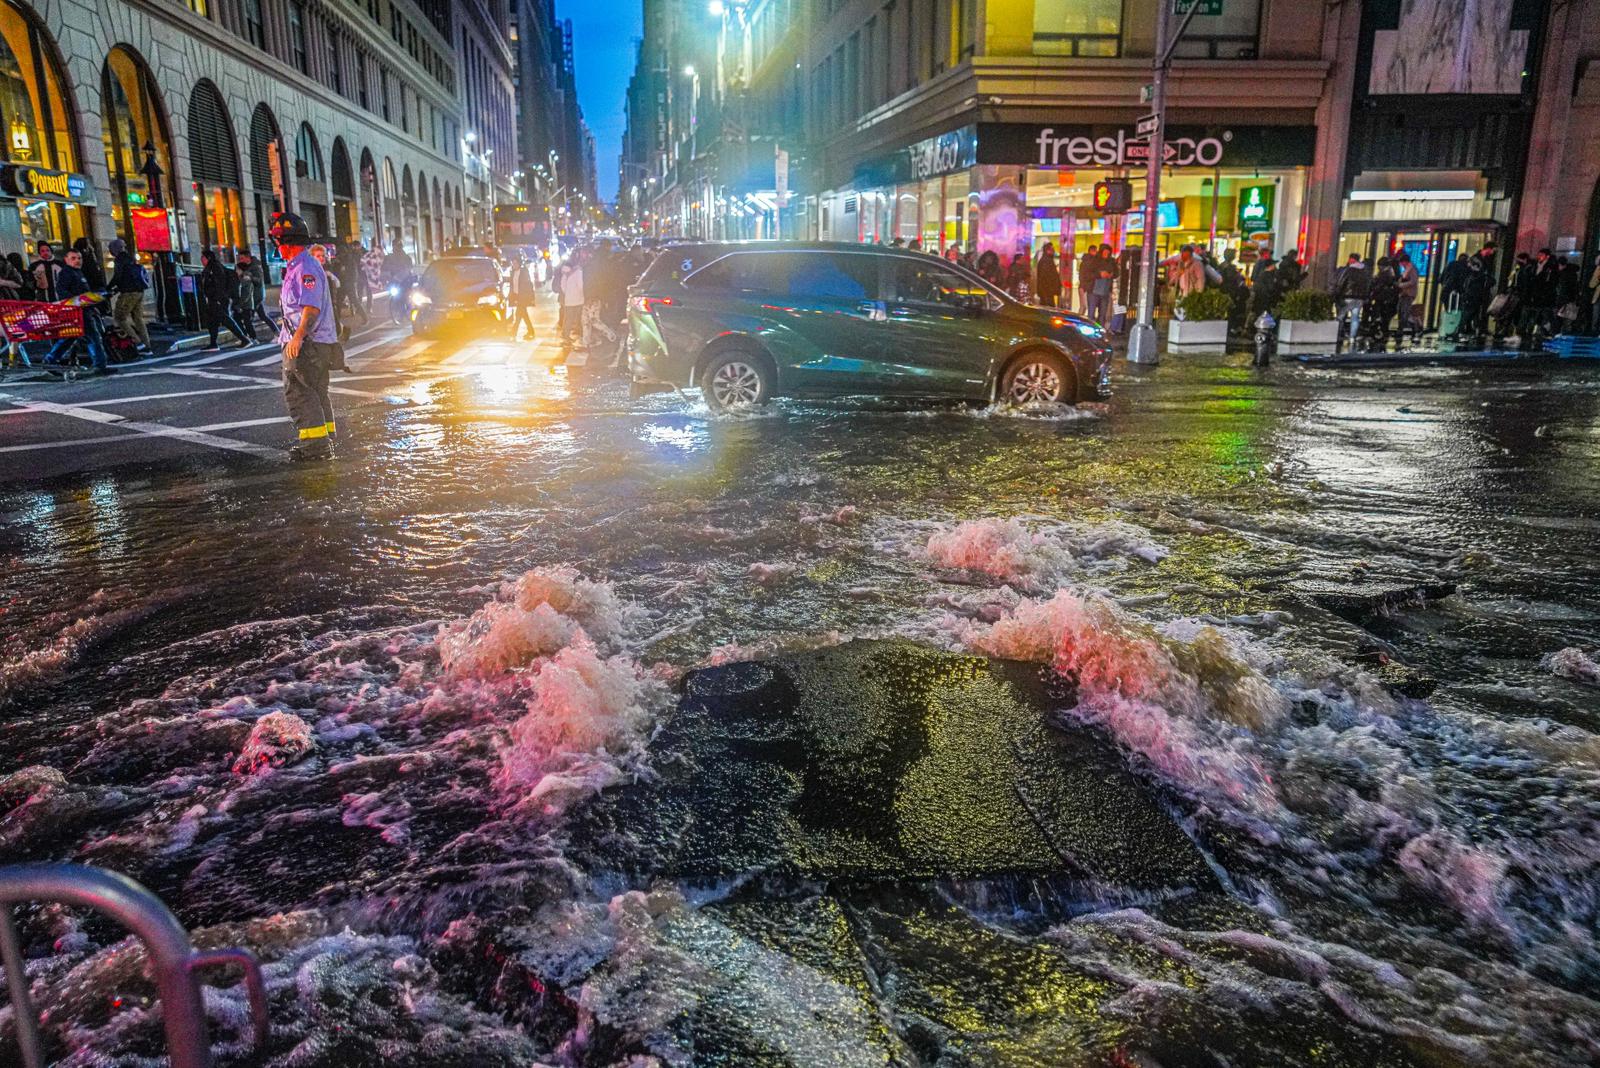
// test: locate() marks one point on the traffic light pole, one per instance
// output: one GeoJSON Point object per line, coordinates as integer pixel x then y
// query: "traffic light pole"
{"type": "Point", "coordinates": [1142, 340]}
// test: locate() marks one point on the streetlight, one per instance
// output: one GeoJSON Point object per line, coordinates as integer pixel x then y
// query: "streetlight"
{"type": "Point", "coordinates": [716, 9]}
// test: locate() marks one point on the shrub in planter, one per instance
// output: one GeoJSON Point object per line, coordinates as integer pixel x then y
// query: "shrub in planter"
{"type": "Point", "coordinates": [1305, 306]}
{"type": "Point", "coordinates": [1306, 322]}
{"type": "Point", "coordinates": [1201, 325]}
{"type": "Point", "coordinates": [1205, 306]}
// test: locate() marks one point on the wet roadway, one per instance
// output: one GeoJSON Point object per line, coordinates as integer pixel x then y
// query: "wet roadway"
{"type": "Point", "coordinates": [1289, 753]}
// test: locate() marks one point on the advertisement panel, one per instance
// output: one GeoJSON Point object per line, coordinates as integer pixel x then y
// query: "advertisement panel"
{"type": "Point", "coordinates": [1069, 145]}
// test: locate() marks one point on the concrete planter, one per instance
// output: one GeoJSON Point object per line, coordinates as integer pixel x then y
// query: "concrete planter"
{"type": "Point", "coordinates": [1298, 335]}
{"type": "Point", "coordinates": [1192, 336]}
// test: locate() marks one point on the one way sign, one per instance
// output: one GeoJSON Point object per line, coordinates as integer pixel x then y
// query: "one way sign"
{"type": "Point", "coordinates": [1147, 126]}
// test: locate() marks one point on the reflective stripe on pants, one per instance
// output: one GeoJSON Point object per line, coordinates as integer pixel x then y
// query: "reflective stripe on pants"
{"type": "Point", "coordinates": [305, 390]}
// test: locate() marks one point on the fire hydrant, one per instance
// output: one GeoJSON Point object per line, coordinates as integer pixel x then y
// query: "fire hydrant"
{"type": "Point", "coordinates": [1266, 339]}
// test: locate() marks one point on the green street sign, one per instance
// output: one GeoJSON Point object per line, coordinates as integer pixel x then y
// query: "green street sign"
{"type": "Point", "coordinates": [1207, 7]}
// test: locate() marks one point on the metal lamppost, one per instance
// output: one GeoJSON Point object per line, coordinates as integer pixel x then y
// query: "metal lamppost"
{"type": "Point", "coordinates": [153, 173]}
{"type": "Point", "coordinates": [1142, 342]}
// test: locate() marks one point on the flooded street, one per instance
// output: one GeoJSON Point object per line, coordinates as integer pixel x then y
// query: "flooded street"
{"type": "Point", "coordinates": [1245, 719]}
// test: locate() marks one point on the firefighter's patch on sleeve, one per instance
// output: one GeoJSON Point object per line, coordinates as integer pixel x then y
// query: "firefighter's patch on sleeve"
{"type": "Point", "coordinates": [308, 281]}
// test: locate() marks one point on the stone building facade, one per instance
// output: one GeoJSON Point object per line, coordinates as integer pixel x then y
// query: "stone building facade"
{"type": "Point", "coordinates": [346, 111]}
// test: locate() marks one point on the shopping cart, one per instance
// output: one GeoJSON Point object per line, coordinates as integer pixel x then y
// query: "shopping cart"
{"type": "Point", "coordinates": [27, 320]}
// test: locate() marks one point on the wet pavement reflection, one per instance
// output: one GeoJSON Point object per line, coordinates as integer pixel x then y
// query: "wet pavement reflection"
{"type": "Point", "coordinates": [1248, 718]}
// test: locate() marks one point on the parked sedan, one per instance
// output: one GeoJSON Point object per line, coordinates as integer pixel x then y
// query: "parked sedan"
{"type": "Point", "coordinates": [748, 322]}
{"type": "Point", "coordinates": [458, 292]}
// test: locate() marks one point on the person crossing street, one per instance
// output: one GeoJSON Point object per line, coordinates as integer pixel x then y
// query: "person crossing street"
{"type": "Point", "coordinates": [307, 337]}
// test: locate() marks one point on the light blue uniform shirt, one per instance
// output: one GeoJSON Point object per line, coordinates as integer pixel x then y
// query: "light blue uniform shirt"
{"type": "Point", "coordinates": [305, 285]}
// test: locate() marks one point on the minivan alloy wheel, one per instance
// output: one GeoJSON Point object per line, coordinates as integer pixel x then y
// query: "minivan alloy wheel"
{"type": "Point", "coordinates": [736, 384]}
{"type": "Point", "coordinates": [1035, 382]}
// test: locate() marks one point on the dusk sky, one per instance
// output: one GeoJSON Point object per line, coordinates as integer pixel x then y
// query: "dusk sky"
{"type": "Point", "coordinates": [603, 37]}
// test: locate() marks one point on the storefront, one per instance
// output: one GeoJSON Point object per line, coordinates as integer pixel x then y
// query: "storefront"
{"type": "Point", "coordinates": [44, 198]}
{"type": "Point", "coordinates": [1012, 187]}
{"type": "Point", "coordinates": [214, 165]}
{"type": "Point", "coordinates": [136, 141]}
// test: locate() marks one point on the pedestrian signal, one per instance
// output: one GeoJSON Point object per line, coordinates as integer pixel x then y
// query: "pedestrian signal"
{"type": "Point", "coordinates": [1114, 196]}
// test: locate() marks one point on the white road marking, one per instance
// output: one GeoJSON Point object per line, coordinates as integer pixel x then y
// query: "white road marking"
{"type": "Point", "coordinates": [154, 430]}
{"type": "Point", "coordinates": [228, 355]}
{"type": "Point", "coordinates": [277, 357]}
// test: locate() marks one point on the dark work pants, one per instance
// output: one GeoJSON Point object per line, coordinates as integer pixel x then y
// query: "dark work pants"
{"type": "Point", "coordinates": [252, 310]}
{"type": "Point", "coordinates": [218, 316]}
{"type": "Point", "coordinates": [305, 390]}
{"type": "Point", "coordinates": [524, 314]}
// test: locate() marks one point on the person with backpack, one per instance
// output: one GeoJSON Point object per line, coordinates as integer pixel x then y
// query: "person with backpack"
{"type": "Point", "coordinates": [1351, 286]}
{"type": "Point", "coordinates": [129, 281]}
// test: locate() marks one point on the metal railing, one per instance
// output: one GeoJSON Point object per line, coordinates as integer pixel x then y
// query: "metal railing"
{"type": "Point", "coordinates": [173, 960]}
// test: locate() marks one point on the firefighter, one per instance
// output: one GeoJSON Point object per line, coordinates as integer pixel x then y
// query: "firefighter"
{"type": "Point", "coordinates": [307, 336]}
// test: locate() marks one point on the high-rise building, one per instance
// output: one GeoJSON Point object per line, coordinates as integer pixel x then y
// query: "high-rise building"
{"type": "Point", "coordinates": [555, 163]}
{"type": "Point", "coordinates": [483, 34]}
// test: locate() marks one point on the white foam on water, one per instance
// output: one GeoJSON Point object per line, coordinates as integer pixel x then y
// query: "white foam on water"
{"type": "Point", "coordinates": [1574, 664]}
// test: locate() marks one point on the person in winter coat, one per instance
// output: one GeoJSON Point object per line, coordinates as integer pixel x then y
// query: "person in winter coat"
{"type": "Point", "coordinates": [1019, 278]}
{"type": "Point", "coordinates": [1410, 280]}
{"type": "Point", "coordinates": [521, 294]}
{"type": "Point", "coordinates": [1541, 284]}
{"type": "Point", "coordinates": [1291, 273]}
{"type": "Point", "coordinates": [989, 269]}
{"type": "Point", "coordinates": [252, 293]}
{"type": "Point", "coordinates": [1048, 286]}
{"type": "Point", "coordinates": [1186, 273]}
{"type": "Point", "coordinates": [1237, 289]}
{"type": "Point", "coordinates": [1594, 301]}
{"type": "Point", "coordinates": [1477, 292]}
{"type": "Point", "coordinates": [129, 282]}
{"type": "Point", "coordinates": [46, 269]}
{"type": "Point", "coordinates": [1383, 303]}
{"type": "Point", "coordinates": [216, 287]}
{"type": "Point", "coordinates": [94, 270]}
{"type": "Point", "coordinates": [1567, 288]}
{"type": "Point", "coordinates": [1264, 291]}
{"type": "Point", "coordinates": [26, 291]}
{"type": "Point", "coordinates": [1087, 264]}
{"type": "Point", "coordinates": [1350, 289]}
{"type": "Point", "coordinates": [70, 283]}
{"type": "Point", "coordinates": [569, 283]}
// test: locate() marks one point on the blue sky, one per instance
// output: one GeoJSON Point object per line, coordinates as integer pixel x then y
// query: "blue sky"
{"type": "Point", "coordinates": [602, 48]}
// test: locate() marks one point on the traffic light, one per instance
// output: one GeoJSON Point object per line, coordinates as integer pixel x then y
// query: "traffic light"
{"type": "Point", "coordinates": [1114, 196]}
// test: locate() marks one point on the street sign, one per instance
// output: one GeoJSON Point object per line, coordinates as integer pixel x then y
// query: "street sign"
{"type": "Point", "coordinates": [781, 177]}
{"type": "Point", "coordinates": [1147, 125]}
{"type": "Point", "coordinates": [1207, 7]}
{"type": "Point", "coordinates": [1147, 94]}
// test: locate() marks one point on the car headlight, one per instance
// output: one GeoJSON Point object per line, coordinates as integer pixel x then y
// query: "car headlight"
{"type": "Point", "coordinates": [420, 299]}
{"type": "Point", "coordinates": [1087, 328]}
{"type": "Point", "coordinates": [488, 299]}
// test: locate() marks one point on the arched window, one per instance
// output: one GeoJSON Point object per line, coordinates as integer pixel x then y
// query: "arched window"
{"type": "Point", "coordinates": [343, 187]}
{"type": "Point", "coordinates": [311, 181]}
{"type": "Point", "coordinates": [38, 124]}
{"type": "Point", "coordinates": [269, 175]}
{"type": "Point", "coordinates": [214, 164]}
{"type": "Point", "coordinates": [134, 128]}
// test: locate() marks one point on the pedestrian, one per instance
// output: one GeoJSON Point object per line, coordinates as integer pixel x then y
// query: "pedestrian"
{"type": "Point", "coordinates": [70, 283]}
{"type": "Point", "coordinates": [1048, 286]}
{"type": "Point", "coordinates": [1101, 285]}
{"type": "Point", "coordinates": [253, 293]}
{"type": "Point", "coordinates": [916, 244]}
{"type": "Point", "coordinates": [129, 281]}
{"type": "Point", "coordinates": [570, 285]}
{"type": "Point", "coordinates": [46, 269]}
{"type": "Point", "coordinates": [1237, 288]}
{"type": "Point", "coordinates": [952, 254]}
{"type": "Point", "coordinates": [1477, 293]}
{"type": "Point", "coordinates": [989, 269]}
{"type": "Point", "coordinates": [1019, 277]}
{"type": "Point", "coordinates": [1186, 273]}
{"type": "Point", "coordinates": [1567, 289]}
{"type": "Point", "coordinates": [353, 282]}
{"type": "Point", "coordinates": [217, 286]}
{"type": "Point", "coordinates": [1263, 261]}
{"type": "Point", "coordinates": [521, 295]}
{"type": "Point", "coordinates": [1410, 280]}
{"type": "Point", "coordinates": [1541, 287]}
{"type": "Point", "coordinates": [1350, 289]}
{"type": "Point", "coordinates": [1264, 291]}
{"type": "Point", "coordinates": [27, 291]}
{"type": "Point", "coordinates": [1291, 272]}
{"type": "Point", "coordinates": [307, 337]}
{"type": "Point", "coordinates": [94, 268]}
{"type": "Point", "coordinates": [1086, 273]}
{"type": "Point", "coordinates": [11, 285]}
{"type": "Point", "coordinates": [1594, 300]}
{"type": "Point", "coordinates": [1383, 304]}
{"type": "Point", "coordinates": [372, 267]}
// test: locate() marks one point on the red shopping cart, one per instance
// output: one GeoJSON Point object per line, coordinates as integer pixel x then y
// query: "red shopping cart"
{"type": "Point", "coordinates": [28, 320]}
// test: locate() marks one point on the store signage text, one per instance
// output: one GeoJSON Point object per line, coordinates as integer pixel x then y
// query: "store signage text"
{"type": "Point", "coordinates": [25, 181]}
{"type": "Point", "coordinates": [944, 154]}
{"type": "Point", "coordinates": [1255, 208]}
{"type": "Point", "coordinates": [1121, 150]}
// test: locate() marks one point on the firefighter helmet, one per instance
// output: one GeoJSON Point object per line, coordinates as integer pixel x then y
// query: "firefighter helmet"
{"type": "Point", "coordinates": [289, 229]}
